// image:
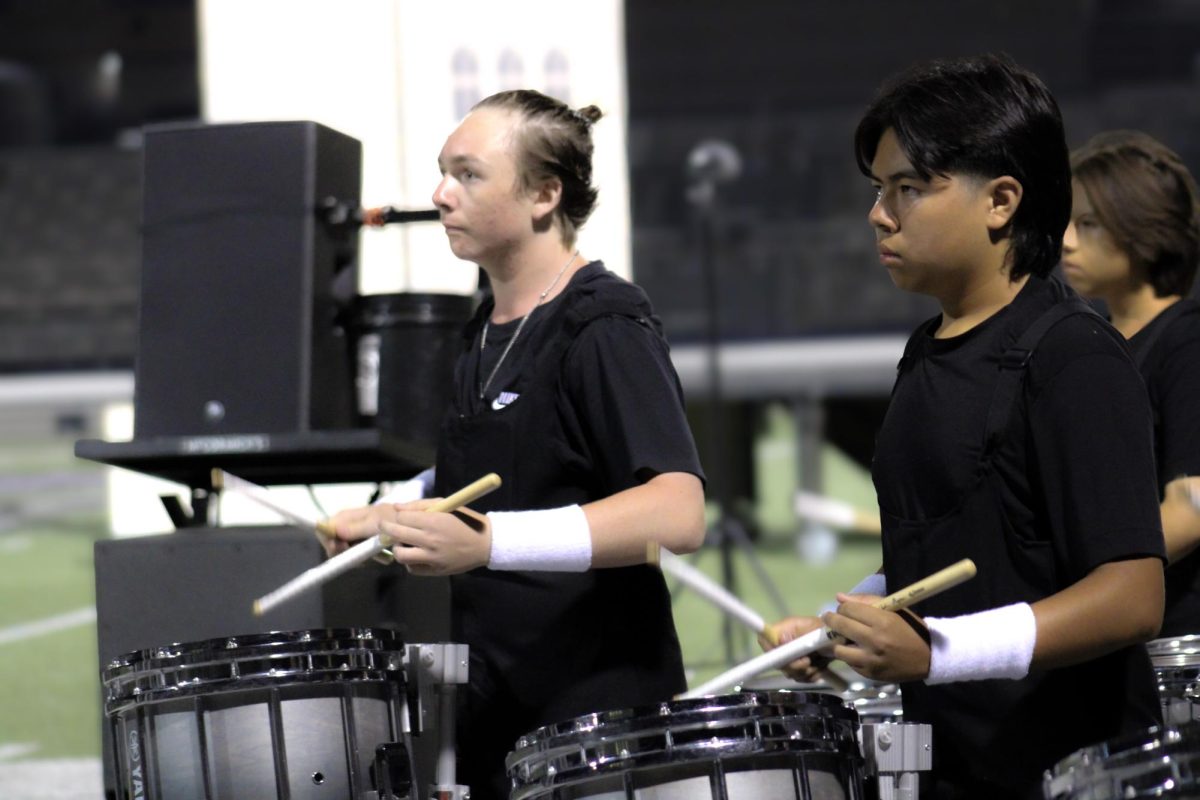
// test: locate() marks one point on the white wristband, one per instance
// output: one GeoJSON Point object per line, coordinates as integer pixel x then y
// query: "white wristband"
{"type": "Point", "coordinates": [997, 643]}
{"type": "Point", "coordinates": [417, 487]}
{"type": "Point", "coordinates": [553, 540]}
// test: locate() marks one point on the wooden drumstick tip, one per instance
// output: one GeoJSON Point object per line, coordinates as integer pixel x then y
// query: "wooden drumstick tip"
{"type": "Point", "coordinates": [258, 609]}
{"type": "Point", "coordinates": [768, 633]}
{"type": "Point", "coordinates": [654, 554]}
{"type": "Point", "coordinates": [217, 478]}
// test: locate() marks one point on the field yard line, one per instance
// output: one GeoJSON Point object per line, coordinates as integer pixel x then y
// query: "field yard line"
{"type": "Point", "coordinates": [41, 627]}
{"type": "Point", "coordinates": [13, 750]}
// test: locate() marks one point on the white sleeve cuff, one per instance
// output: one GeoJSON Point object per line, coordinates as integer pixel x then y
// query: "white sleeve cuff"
{"type": "Point", "coordinates": [997, 643]}
{"type": "Point", "coordinates": [417, 487]}
{"type": "Point", "coordinates": [875, 583]}
{"type": "Point", "coordinates": [553, 540]}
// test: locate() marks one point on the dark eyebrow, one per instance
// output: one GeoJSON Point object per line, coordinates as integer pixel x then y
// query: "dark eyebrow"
{"type": "Point", "coordinates": [902, 175]}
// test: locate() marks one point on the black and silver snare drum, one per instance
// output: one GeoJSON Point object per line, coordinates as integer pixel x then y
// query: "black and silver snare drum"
{"type": "Point", "coordinates": [756, 745]}
{"type": "Point", "coordinates": [1162, 762]}
{"type": "Point", "coordinates": [277, 715]}
{"type": "Point", "coordinates": [1177, 666]}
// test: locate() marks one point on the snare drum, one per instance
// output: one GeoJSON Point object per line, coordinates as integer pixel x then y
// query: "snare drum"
{"type": "Point", "coordinates": [744, 746]}
{"type": "Point", "coordinates": [276, 715]}
{"type": "Point", "coordinates": [1162, 762]}
{"type": "Point", "coordinates": [1177, 665]}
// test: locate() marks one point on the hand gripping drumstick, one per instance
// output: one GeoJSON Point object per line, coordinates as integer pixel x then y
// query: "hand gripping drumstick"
{"type": "Point", "coordinates": [366, 549]}
{"type": "Point", "coordinates": [723, 599]}
{"type": "Point", "coordinates": [822, 637]}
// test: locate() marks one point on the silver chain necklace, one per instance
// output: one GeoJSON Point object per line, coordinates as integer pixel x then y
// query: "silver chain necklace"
{"type": "Point", "coordinates": [520, 326]}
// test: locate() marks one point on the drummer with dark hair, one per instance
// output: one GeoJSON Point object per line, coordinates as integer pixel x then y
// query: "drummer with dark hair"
{"type": "Point", "coordinates": [1134, 242]}
{"type": "Point", "coordinates": [1018, 435]}
{"type": "Point", "coordinates": [565, 388]}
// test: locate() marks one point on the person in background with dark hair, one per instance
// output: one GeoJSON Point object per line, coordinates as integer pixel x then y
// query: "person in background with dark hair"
{"type": "Point", "coordinates": [1018, 435]}
{"type": "Point", "coordinates": [565, 388]}
{"type": "Point", "coordinates": [1134, 242]}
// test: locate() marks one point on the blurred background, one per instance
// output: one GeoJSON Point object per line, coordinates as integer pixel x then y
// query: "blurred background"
{"type": "Point", "coordinates": [728, 191]}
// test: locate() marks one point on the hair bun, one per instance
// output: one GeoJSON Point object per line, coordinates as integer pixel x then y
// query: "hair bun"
{"type": "Point", "coordinates": [589, 114]}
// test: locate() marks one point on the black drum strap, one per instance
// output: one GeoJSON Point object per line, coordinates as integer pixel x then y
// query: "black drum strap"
{"type": "Point", "coordinates": [1013, 364]}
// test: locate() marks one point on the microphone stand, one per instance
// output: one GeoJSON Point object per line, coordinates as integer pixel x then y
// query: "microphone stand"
{"type": "Point", "coordinates": [727, 530]}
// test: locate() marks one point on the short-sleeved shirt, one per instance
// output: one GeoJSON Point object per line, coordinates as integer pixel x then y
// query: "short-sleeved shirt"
{"type": "Point", "coordinates": [1170, 366]}
{"type": "Point", "coordinates": [585, 404]}
{"type": "Point", "coordinates": [1066, 487]}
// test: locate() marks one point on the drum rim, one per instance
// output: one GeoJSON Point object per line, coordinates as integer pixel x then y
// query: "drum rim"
{"type": "Point", "coordinates": [1113, 761]}
{"type": "Point", "coordinates": [1175, 651]}
{"type": "Point", "coordinates": [178, 652]}
{"type": "Point", "coordinates": [606, 752]}
{"type": "Point", "coordinates": [759, 698]}
{"type": "Point", "coordinates": [331, 655]}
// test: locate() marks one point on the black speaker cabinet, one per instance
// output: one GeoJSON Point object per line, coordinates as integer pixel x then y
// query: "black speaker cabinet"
{"type": "Point", "coordinates": [243, 277]}
{"type": "Point", "coordinates": [200, 584]}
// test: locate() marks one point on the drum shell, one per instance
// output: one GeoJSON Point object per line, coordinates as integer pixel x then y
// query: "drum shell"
{"type": "Point", "coordinates": [283, 715]}
{"type": "Point", "coordinates": [742, 746]}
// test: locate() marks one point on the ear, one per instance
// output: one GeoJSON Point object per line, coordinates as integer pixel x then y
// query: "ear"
{"type": "Point", "coordinates": [1003, 198]}
{"type": "Point", "coordinates": [546, 198]}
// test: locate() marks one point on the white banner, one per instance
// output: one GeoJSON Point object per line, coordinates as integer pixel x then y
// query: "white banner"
{"type": "Point", "coordinates": [399, 76]}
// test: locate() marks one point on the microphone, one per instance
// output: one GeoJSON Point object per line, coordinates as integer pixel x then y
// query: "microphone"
{"type": "Point", "coordinates": [714, 160]}
{"type": "Point", "coordinates": [711, 162]}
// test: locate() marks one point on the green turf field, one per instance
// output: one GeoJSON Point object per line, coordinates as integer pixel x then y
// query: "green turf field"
{"type": "Point", "coordinates": [49, 700]}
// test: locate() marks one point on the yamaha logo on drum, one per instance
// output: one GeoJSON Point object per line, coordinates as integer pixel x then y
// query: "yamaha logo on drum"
{"type": "Point", "coordinates": [135, 767]}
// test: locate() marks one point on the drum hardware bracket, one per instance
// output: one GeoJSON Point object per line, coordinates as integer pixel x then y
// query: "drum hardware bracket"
{"type": "Point", "coordinates": [437, 670]}
{"type": "Point", "coordinates": [894, 752]}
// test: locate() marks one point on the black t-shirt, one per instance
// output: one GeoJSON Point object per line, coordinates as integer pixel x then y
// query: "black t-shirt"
{"type": "Point", "coordinates": [1078, 477]}
{"type": "Point", "coordinates": [585, 404]}
{"type": "Point", "coordinates": [1068, 486]}
{"type": "Point", "coordinates": [1170, 366]}
{"type": "Point", "coordinates": [621, 399]}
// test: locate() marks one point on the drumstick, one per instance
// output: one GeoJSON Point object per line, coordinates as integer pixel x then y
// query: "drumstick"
{"type": "Point", "coordinates": [259, 494]}
{"type": "Point", "coordinates": [366, 549]}
{"type": "Point", "coordinates": [836, 513]}
{"type": "Point", "coordinates": [723, 599]}
{"type": "Point", "coordinates": [822, 638]}
{"type": "Point", "coordinates": [710, 590]}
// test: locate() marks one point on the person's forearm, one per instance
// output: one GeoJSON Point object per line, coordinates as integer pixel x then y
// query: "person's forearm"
{"type": "Point", "coordinates": [667, 509]}
{"type": "Point", "coordinates": [1118, 604]}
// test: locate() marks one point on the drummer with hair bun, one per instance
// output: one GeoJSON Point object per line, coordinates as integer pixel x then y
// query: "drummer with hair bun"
{"type": "Point", "coordinates": [565, 388]}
